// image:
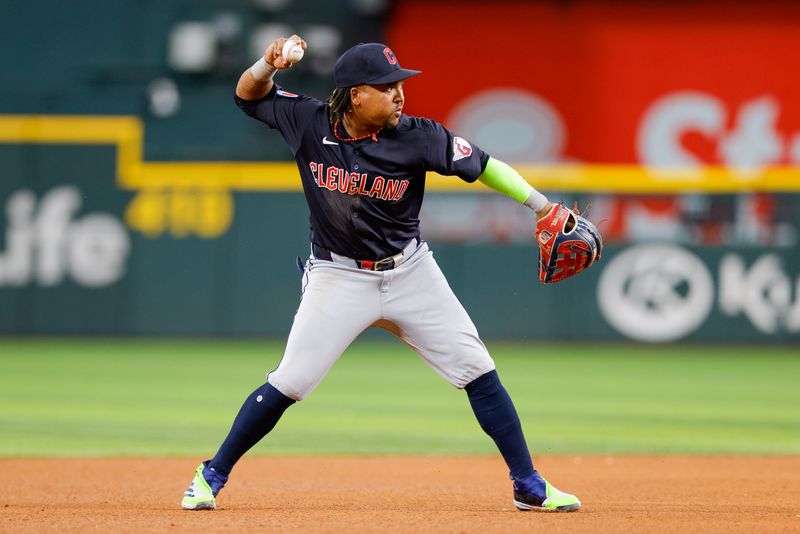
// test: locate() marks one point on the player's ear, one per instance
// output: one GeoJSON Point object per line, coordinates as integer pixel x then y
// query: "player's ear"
{"type": "Point", "coordinates": [355, 95]}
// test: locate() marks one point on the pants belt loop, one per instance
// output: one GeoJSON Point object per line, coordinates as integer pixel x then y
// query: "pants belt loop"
{"type": "Point", "coordinates": [409, 250]}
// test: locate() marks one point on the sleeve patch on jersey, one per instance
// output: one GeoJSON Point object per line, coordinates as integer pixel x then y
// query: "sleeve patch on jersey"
{"type": "Point", "coordinates": [461, 148]}
{"type": "Point", "coordinates": [281, 92]}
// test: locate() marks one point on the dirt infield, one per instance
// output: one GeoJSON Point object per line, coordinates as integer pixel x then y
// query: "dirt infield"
{"type": "Point", "coordinates": [404, 494]}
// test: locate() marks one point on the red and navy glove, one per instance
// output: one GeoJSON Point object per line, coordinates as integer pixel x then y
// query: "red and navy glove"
{"type": "Point", "coordinates": [568, 244]}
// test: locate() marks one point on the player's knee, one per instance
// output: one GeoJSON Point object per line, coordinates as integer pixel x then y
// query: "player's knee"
{"type": "Point", "coordinates": [295, 388]}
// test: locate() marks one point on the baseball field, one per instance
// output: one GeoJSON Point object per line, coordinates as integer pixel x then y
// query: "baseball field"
{"type": "Point", "coordinates": [99, 435]}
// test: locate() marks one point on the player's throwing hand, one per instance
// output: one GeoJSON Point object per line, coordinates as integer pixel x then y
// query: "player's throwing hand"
{"type": "Point", "coordinates": [273, 55]}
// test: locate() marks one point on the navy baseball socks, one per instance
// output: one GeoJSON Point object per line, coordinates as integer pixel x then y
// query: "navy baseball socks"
{"type": "Point", "coordinates": [496, 414]}
{"type": "Point", "coordinates": [256, 418]}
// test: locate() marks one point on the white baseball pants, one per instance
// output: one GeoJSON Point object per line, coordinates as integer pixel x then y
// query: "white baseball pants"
{"type": "Point", "coordinates": [413, 301]}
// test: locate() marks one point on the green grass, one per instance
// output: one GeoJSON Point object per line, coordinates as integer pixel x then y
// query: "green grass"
{"type": "Point", "coordinates": [66, 397]}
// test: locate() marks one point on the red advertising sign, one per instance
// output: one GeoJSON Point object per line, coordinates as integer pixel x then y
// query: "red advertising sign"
{"type": "Point", "coordinates": [661, 84]}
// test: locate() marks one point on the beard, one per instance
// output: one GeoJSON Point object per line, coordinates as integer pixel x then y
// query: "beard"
{"type": "Point", "coordinates": [391, 122]}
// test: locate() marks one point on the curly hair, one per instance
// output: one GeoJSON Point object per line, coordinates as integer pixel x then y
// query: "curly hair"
{"type": "Point", "coordinates": [339, 101]}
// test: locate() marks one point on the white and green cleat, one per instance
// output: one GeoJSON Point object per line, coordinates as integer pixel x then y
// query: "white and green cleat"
{"type": "Point", "coordinates": [200, 495]}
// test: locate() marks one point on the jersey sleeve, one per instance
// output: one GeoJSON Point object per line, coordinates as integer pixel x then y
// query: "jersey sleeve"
{"type": "Point", "coordinates": [286, 112]}
{"type": "Point", "coordinates": [451, 155]}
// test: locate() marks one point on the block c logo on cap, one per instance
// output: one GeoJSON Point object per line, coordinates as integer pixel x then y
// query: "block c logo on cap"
{"type": "Point", "coordinates": [389, 56]}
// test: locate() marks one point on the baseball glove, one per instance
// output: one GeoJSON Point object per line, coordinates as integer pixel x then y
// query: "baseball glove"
{"type": "Point", "coordinates": [568, 244]}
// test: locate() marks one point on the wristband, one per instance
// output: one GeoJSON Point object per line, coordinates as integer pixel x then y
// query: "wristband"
{"type": "Point", "coordinates": [262, 71]}
{"type": "Point", "coordinates": [536, 201]}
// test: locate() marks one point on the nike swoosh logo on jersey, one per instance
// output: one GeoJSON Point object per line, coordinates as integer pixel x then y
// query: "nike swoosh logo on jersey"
{"type": "Point", "coordinates": [326, 142]}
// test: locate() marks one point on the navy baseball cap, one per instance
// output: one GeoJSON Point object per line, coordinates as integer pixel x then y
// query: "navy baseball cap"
{"type": "Point", "coordinates": [370, 63]}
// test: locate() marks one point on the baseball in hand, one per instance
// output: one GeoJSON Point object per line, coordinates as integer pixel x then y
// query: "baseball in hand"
{"type": "Point", "coordinates": [292, 52]}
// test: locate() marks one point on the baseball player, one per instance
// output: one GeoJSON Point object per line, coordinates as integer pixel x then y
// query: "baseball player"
{"type": "Point", "coordinates": [362, 164]}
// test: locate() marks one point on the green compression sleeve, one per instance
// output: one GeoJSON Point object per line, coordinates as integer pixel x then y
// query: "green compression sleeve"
{"type": "Point", "coordinates": [504, 179]}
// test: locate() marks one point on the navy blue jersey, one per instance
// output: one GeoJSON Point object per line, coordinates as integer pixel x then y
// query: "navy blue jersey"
{"type": "Point", "coordinates": [364, 196]}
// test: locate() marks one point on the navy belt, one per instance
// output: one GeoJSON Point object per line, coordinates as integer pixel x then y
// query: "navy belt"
{"type": "Point", "coordinates": [385, 264]}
